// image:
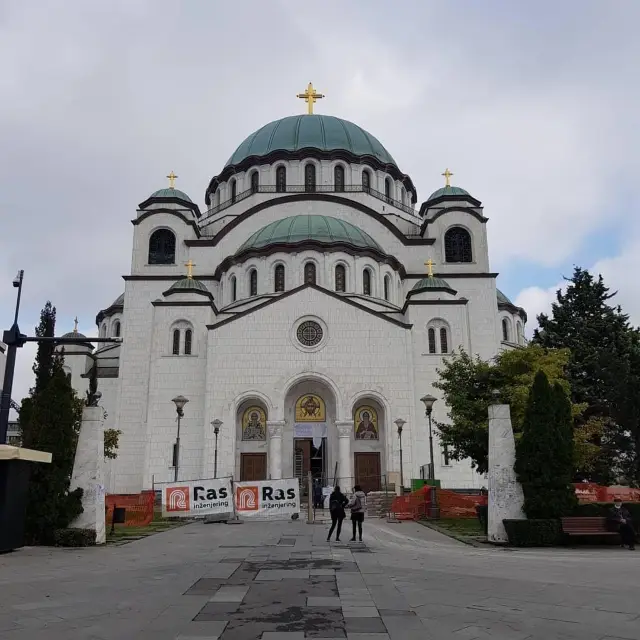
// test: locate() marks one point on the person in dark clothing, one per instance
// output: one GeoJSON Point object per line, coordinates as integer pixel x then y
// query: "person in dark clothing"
{"type": "Point", "coordinates": [357, 505]}
{"type": "Point", "coordinates": [337, 503]}
{"type": "Point", "coordinates": [621, 519]}
{"type": "Point", "coordinates": [318, 498]}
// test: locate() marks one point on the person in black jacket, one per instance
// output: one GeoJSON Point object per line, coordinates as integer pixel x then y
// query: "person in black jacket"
{"type": "Point", "coordinates": [337, 503]}
{"type": "Point", "coordinates": [621, 518]}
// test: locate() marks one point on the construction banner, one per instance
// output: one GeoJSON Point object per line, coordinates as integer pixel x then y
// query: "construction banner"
{"type": "Point", "coordinates": [267, 499]}
{"type": "Point", "coordinates": [194, 498]}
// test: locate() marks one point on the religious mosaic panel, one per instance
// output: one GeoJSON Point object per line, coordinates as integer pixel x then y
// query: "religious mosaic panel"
{"type": "Point", "coordinates": [254, 424]}
{"type": "Point", "coordinates": [366, 423]}
{"type": "Point", "coordinates": [310, 408]}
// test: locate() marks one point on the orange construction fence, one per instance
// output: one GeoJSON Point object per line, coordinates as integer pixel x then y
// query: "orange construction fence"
{"type": "Point", "coordinates": [138, 508]}
{"type": "Point", "coordinates": [591, 492]}
{"type": "Point", "coordinates": [459, 505]}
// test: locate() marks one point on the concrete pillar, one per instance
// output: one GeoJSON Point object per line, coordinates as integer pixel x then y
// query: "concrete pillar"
{"type": "Point", "coordinates": [345, 473]}
{"type": "Point", "coordinates": [275, 449]}
{"type": "Point", "coordinates": [88, 472]}
{"type": "Point", "coordinates": [505, 493]}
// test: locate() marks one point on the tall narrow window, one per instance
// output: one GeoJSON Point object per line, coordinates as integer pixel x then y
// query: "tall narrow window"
{"type": "Point", "coordinates": [387, 282]}
{"type": "Point", "coordinates": [446, 459]}
{"type": "Point", "coordinates": [234, 289]}
{"type": "Point", "coordinates": [310, 177]}
{"type": "Point", "coordinates": [444, 342]}
{"type": "Point", "coordinates": [176, 342]}
{"type": "Point", "coordinates": [253, 282]}
{"type": "Point", "coordinates": [519, 330]}
{"type": "Point", "coordinates": [188, 338]}
{"type": "Point", "coordinates": [116, 329]}
{"type": "Point", "coordinates": [432, 339]}
{"type": "Point", "coordinates": [279, 278]}
{"type": "Point", "coordinates": [162, 247]}
{"type": "Point", "coordinates": [341, 277]}
{"type": "Point", "coordinates": [387, 189]}
{"type": "Point", "coordinates": [366, 181]}
{"type": "Point", "coordinates": [366, 282]}
{"type": "Point", "coordinates": [457, 245]}
{"type": "Point", "coordinates": [255, 181]}
{"type": "Point", "coordinates": [234, 188]}
{"type": "Point", "coordinates": [310, 273]}
{"type": "Point", "coordinates": [281, 179]}
{"type": "Point", "coordinates": [338, 177]}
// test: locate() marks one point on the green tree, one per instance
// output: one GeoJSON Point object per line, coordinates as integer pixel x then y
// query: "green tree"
{"type": "Point", "coordinates": [469, 384]}
{"type": "Point", "coordinates": [43, 365]}
{"type": "Point", "coordinates": [603, 370]}
{"type": "Point", "coordinates": [544, 453]}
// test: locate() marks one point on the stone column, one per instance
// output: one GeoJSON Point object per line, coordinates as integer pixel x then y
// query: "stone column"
{"type": "Point", "coordinates": [345, 473]}
{"type": "Point", "coordinates": [505, 493]}
{"type": "Point", "coordinates": [88, 472]}
{"type": "Point", "coordinates": [275, 448]}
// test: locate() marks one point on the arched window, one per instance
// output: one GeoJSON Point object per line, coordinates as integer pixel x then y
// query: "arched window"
{"type": "Point", "coordinates": [162, 247]}
{"type": "Point", "coordinates": [402, 195]}
{"type": "Point", "coordinates": [520, 333]}
{"type": "Point", "coordinates": [188, 337]}
{"type": "Point", "coordinates": [366, 181]}
{"type": "Point", "coordinates": [505, 330]}
{"type": "Point", "coordinates": [387, 189]}
{"type": "Point", "coordinates": [310, 273]}
{"type": "Point", "coordinates": [432, 340]}
{"type": "Point", "coordinates": [387, 282]}
{"type": "Point", "coordinates": [457, 245]}
{"type": "Point", "coordinates": [310, 177]}
{"type": "Point", "coordinates": [255, 181]}
{"type": "Point", "coordinates": [338, 177]}
{"type": "Point", "coordinates": [234, 289]}
{"type": "Point", "coordinates": [279, 278]}
{"type": "Point", "coordinates": [253, 282]}
{"type": "Point", "coordinates": [104, 330]}
{"type": "Point", "coordinates": [341, 278]}
{"type": "Point", "coordinates": [116, 329]}
{"type": "Point", "coordinates": [444, 342]}
{"type": "Point", "coordinates": [234, 189]}
{"type": "Point", "coordinates": [366, 282]}
{"type": "Point", "coordinates": [281, 179]}
{"type": "Point", "coordinates": [176, 342]}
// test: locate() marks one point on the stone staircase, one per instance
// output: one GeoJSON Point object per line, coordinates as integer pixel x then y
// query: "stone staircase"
{"type": "Point", "coordinates": [379, 503]}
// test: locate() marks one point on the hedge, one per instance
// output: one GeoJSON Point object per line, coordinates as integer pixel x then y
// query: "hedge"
{"type": "Point", "coordinates": [74, 537]}
{"type": "Point", "coordinates": [593, 509]}
{"type": "Point", "coordinates": [533, 533]}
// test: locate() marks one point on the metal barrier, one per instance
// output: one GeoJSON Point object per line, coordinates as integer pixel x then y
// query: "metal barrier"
{"type": "Point", "coordinates": [138, 506]}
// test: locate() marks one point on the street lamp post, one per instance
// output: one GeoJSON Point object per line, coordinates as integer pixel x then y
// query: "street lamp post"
{"type": "Point", "coordinates": [216, 424]}
{"type": "Point", "coordinates": [400, 423]}
{"type": "Point", "coordinates": [179, 401]}
{"type": "Point", "coordinates": [428, 405]}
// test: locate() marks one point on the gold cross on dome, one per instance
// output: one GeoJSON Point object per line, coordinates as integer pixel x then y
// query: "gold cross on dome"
{"type": "Point", "coordinates": [310, 96]}
{"type": "Point", "coordinates": [190, 266]}
{"type": "Point", "coordinates": [447, 177]}
{"type": "Point", "coordinates": [429, 264]}
{"type": "Point", "coordinates": [172, 180]}
{"type": "Point", "coordinates": [75, 325]}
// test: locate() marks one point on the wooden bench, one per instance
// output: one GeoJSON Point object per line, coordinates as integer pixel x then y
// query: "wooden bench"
{"type": "Point", "coordinates": [587, 527]}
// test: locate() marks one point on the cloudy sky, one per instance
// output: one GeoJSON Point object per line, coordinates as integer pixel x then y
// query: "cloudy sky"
{"type": "Point", "coordinates": [534, 106]}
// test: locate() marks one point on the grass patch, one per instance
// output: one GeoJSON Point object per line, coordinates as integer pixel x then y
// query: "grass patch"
{"type": "Point", "coordinates": [122, 533]}
{"type": "Point", "coordinates": [461, 526]}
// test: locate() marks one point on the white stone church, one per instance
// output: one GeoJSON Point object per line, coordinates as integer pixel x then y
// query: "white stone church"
{"type": "Point", "coordinates": [307, 307]}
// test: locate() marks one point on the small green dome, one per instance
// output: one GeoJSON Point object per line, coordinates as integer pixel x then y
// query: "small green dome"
{"type": "Point", "coordinates": [303, 228]}
{"type": "Point", "coordinates": [74, 334]}
{"type": "Point", "coordinates": [189, 284]}
{"type": "Point", "coordinates": [502, 299]}
{"type": "Point", "coordinates": [448, 191]}
{"type": "Point", "coordinates": [431, 283]}
{"type": "Point", "coordinates": [170, 193]}
{"type": "Point", "coordinates": [326, 133]}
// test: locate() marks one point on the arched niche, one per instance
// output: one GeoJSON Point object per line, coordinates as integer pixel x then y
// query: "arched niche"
{"type": "Point", "coordinates": [252, 434]}
{"type": "Point", "coordinates": [370, 436]}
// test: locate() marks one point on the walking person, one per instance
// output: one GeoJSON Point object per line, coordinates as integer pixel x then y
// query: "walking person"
{"type": "Point", "coordinates": [337, 503]}
{"type": "Point", "coordinates": [621, 519]}
{"type": "Point", "coordinates": [357, 505]}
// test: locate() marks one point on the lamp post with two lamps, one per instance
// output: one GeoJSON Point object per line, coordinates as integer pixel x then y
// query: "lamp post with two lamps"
{"type": "Point", "coordinates": [179, 401]}
{"type": "Point", "coordinates": [216, 424]}
{"type": "Point", "coordinates": [429, 401]}
{"type": "Point", "coordinates": [400, 423]}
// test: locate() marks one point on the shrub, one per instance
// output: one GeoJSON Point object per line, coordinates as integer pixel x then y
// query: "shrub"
{"type": "Point", "coordinates": [594, 509]}
{"type": "Point", "coordinates": [74, 537]}
{"type": "Point", "coordinates": [533, 533]}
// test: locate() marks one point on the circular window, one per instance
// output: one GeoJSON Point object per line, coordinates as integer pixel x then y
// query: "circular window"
{"type": "Point", "coordinates": [309, 333]}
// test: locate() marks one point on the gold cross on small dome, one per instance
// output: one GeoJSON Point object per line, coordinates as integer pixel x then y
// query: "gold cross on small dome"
{"type": "Point", "coordinates": [310, 96]}
{"type": "Point", "coordinates": [429, 264]}
{"type": "Point", "coordinates": [190, 266]}
{"type": "Point", "coordinates": [172, 180]}
{"type": "Point", "coordinates": [447, 177]}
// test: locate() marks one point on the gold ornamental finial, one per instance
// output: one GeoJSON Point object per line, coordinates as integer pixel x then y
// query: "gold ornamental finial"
{"type": "Point", "coordinates": [429, 264]}
{"type": "Point", "coordinates": [75, 325]}
{"type": "Point", "coordinates": [172, 179]}
{"type": "Point", "coordinates": [447, 177]}
{"type": "Point", "coordinates": [190, 266]}
{"type": "Point", "coordinates": [310, 96]}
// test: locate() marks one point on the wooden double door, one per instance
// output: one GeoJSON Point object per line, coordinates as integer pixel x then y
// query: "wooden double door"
{"type": "Point", "coordinates": [253, 466]}
{"type": "Point", "coordinates": [367, 471]}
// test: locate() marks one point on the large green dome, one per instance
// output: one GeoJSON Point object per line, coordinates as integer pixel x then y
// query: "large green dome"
{"type": "Point", "coordinates": [303, 228]}
{"type": "Point", "coordinates": [325, 133]}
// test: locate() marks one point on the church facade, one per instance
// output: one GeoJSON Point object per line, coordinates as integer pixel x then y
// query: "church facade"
{"type": "Point", "coordinates": [305, 312]}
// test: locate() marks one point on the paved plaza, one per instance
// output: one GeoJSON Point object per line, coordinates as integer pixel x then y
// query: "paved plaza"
{"type": "Point", "coordinates": [284, 581]}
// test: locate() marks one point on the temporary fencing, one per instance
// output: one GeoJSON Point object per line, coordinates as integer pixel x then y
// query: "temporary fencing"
{"type": "Point", "coordinates": [457, 505]}
{"type": "Point", "coordinates": [138, 507]}
{"type": "Point", "coordinates": [267, 499]}
{"type": "Point", "coordinates": [591, 492]}
{"type": "Point", "coordinates": [206, 497]}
